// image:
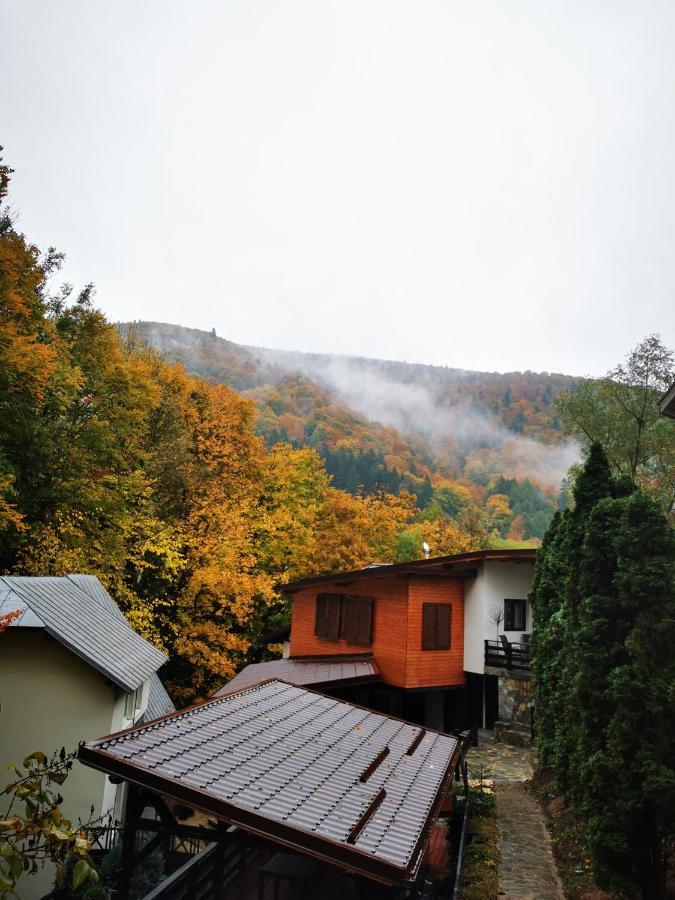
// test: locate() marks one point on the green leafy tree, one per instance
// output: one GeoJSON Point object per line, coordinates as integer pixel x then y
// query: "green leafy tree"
{"type": "Point", "coordinates": [621, 412]}
{"type": "Point", "coordinates": [33, 830]}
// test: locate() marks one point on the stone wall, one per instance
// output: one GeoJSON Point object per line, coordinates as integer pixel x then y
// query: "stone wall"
{"type": "Point", "coordinates": [516, 700]}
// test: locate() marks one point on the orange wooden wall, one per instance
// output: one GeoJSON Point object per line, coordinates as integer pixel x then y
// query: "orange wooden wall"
{"type": "Point", "coordinates": [432, 668]}
{"type": "Point", "coordinates": [397, 629]}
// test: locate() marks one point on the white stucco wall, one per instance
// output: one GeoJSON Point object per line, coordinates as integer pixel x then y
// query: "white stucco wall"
{"type": "Point", "coordinates": [50, 698]}
{"type": "Point", "coordinates": [495, 582]}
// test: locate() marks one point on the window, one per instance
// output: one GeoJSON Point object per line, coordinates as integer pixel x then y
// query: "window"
{"type": "Point", "coordinates": [357, 620]}
{"type": "Point", "coordinates": [327, 623]}
{"type": "Point", "coordinates": [436, 624]}
{"type": "Point", "coordinates": [132, 703]}
{"type": "Point", "coordinates": [346, 618]}
{"type": "Point", "coordinates": [515, 615]}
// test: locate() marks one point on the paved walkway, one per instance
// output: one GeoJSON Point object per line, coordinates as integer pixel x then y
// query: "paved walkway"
{"type": "Point", "coordinates": [499, 762]}
{"type": "Point", "coordinates": [527, 870]}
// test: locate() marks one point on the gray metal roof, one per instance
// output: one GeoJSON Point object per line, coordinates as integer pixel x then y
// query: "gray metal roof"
{"type": "Point", "coordinates": [77, 612]}
{"type": "Point", "coordinates": [308, 672]}
{"type": "Point", "coordinates": [342, 783]}
{"type": "Point", "coordinates": [159, 702]}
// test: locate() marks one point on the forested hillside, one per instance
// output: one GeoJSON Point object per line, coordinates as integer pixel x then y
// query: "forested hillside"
{"type": "Point", "coordinates": [195, 482]}
{"type": "Point", "coordinates": [381, 425]}
{"type": "Point", "coordinates": [117, 462]}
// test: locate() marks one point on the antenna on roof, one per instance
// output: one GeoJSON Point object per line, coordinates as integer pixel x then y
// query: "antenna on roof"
{"type": "Point", "coordinates": [426, 550]}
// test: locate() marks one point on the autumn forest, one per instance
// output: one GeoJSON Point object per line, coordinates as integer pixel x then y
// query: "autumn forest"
{"type": "Point", "coordinates": [194, 476]}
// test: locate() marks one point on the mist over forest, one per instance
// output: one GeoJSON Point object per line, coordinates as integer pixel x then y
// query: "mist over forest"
{"type": "Point", "coordinates": [393, 426]}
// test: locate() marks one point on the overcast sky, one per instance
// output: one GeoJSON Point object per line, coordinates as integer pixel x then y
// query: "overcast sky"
{"type": "Point", "coordinates": [488, 185]}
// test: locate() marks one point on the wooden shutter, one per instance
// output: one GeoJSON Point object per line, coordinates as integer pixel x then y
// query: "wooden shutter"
{"type": "Point", "coordinates": [364, 627]}
{"type": "Point", "coordinates": [327, 623]}
{"type": "Point", "coordinates": [436, 624]}
{"type": "Point", "coordinates": [428, 626]}
{"type": "Point", "coordinates": [350, 615]}
{"type": "Point", "coordinates": [320, 628]}
{"type": "Point", "coordinates": [333, 621]}
{"type": "Point", "coordinates": [443, 624]}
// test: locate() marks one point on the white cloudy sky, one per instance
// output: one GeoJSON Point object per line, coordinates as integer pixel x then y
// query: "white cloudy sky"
{"type": "Point", "coordinates": [481, 184]}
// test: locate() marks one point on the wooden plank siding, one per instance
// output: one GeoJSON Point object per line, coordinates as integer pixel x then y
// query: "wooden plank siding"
{"type": "Point", "coordinates": [433, 668]}
{"type": "Point", "coordinates": [396, 629]}
{"type": "Point", "coordinates": [390, 597]}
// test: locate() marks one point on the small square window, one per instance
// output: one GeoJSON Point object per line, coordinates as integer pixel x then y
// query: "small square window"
{"type": "Point", "coordinates": [515, 615]}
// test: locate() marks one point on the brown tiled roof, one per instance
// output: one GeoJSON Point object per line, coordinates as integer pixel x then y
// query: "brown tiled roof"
{"type": "Point", "coordinates": [338, 672]}
{"type": "Point", "coordinates": [460, 564]}
{"type": "Point", "coordinates": [341, 783]}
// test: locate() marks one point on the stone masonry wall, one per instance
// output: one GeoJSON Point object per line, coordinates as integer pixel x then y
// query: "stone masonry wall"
{"type": "Point", "coordinates": [515, 698]}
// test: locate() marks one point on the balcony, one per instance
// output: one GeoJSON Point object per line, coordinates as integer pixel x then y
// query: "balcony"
{"type": "Point", "coordinates": [504, 654]}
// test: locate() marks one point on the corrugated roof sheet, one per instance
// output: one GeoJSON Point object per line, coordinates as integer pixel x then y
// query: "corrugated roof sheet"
{"type": "Point", "coordinates": [77, 612]}
{"type": "Point", "coordinates": [334, 780]}
{"type": "Point", "coordinates": [159, 702]}
{"type": "Point", "coordinates": [305, 672]}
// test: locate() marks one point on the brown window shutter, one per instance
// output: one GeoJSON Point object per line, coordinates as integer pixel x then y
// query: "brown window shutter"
{"type": "Point", "coordinates": [321, 620]}
{"type": "Point", "coordinates": [364, 629]}
{"type": "Point", "coordinates": [436, 623]}
{"type": "Point", "coordinates": [443, 623]}
{"type": "Point", "coordinates": [333, 623]}
{"type": "Point", "coordinates": [428, 626]}
{"type": "Point", "coordinates": [350, 612]}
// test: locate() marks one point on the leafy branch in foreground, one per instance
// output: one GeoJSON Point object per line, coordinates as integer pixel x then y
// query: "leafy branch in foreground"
{"type": "Point", "coordinates": [39, 832]}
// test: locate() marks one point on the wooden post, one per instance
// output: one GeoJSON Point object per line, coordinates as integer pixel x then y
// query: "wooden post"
{"type": "Point", "coordinates": [133, 809]}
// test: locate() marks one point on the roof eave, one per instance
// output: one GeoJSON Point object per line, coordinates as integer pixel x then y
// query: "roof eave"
{"type": "Point", "coordinates": [416, 567]}
{"type": "Point", "coordinates": [350, 858]}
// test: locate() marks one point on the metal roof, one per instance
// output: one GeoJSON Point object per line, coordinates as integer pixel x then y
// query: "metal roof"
{"type": "Point", "coordinates": [459, 565]}
{"type": "Point", "coordinates": [78, 612]}
{"type": "Point", "coordinates": [349, 786]}
{"type": "Point", "coordinates": [338, 671]}
{"type": "Point", "coordinates": [159, 702]}
{"type": "Point", "coordinates": [667, 402]}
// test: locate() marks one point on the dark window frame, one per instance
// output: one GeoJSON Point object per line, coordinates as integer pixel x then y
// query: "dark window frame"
{"type": "Point", "coordinates": [515, 611]}
{"type": "Point", "coordinates": [436, 633]}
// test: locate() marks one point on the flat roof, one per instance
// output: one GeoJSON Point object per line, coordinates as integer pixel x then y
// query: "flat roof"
{"type": "Point", "coordinates": [460, 564]}
{"type": "Point", "coordinates": [338, 671]}
{"type": "Point", "coordinates": [327, 778]}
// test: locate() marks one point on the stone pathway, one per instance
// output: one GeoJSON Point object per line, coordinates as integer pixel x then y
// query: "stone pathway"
{"type": "Point", "coordinates": [499, 762]}
{"type": "Point", "coordinates": [527, 870]}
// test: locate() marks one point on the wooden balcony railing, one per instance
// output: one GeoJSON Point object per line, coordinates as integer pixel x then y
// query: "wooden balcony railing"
{"type": "Point", "coordinates": [506, 655]}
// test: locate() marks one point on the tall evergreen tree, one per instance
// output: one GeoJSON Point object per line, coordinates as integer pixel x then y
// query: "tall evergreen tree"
{"type": "Point", "coordinates": [625, 692]}
{"type": "Point", "coordinates": [603, 634]}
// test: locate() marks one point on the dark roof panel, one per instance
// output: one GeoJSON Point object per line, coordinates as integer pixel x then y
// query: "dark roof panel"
{"type": "Point", "coordinates": [307, 672]}
{"type": "Point", "coordinates": [323, 775]}
{"type": "Point", "coordinates": [85, 619]}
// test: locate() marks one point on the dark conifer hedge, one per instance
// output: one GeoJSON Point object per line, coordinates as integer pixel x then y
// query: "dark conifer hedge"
{"type": "Point", "coordinates": [604, 665]}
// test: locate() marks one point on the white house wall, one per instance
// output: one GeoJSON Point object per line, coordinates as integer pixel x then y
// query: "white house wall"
{"type": "Point", "coordinates": [50, 698]}
{"type": "Point", "coordinates": [495, 582]}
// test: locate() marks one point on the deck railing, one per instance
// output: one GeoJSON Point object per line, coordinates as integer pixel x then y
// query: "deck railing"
{"type": "Point", "coordinates": [204, 875]}
{"type": "Point", "coordinates": [506, 655]}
